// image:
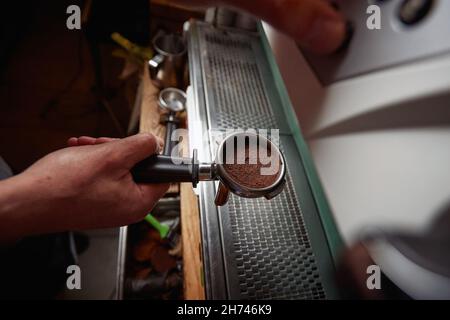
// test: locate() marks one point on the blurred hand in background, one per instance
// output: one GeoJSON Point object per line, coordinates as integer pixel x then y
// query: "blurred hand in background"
{"type": "Point", "coordinates": [314, 24]}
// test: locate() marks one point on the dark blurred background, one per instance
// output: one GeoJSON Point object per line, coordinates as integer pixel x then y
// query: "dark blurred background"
{"type": "Point", "coordinates": [47, 83]}
{"type": "Point", "coordinates": [57, 83]}
{"type": "Point", "coordinates": [52, 78]}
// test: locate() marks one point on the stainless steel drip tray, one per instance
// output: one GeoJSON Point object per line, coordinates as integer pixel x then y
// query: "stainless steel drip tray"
{"type": "Point", "coordinates": [267, 244]}
{"type": "Point", "coordinates": [252, 248]}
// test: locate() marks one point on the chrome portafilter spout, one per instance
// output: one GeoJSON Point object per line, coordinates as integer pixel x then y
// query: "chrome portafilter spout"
{"type": "Point", "coordinates": [165, 169]}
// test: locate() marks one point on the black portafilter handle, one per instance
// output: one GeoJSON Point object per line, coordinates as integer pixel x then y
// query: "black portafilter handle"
{"type": "Point", "coordinates": [166, 169]}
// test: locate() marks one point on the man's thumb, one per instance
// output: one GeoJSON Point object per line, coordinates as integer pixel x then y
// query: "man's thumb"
{"type": "Point", "coordinates": [138, 147]}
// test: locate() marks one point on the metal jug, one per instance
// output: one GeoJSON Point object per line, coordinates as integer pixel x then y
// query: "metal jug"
{"type": "Point", "coordinates": [167, 66]}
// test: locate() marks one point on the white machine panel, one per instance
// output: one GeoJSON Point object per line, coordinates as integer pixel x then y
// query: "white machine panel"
{"type": "Point", "coordinates": [380, 139]}
{"type": "Point", "coordinates": [393, 44]}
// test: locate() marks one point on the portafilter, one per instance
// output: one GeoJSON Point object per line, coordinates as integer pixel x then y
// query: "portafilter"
{"type": "Point", "coordinates": [235, 150]}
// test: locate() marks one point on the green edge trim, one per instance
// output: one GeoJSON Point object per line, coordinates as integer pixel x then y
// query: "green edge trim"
{"type": "Point", "coordinates": [334, 239]}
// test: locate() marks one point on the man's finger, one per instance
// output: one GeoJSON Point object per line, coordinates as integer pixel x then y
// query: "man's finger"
{"type": "Point", "coordinates": [104, 140]}
{"type": "Point", "coordinates": [86, 141]}
{"type": "Point", "coordinates": [136, 148]}
{"type": "Point", "coordinates": [160, 144]}
{"type": "Point", "coordinates": [72, 142]}
{"type": "Point", "coordinates": [151, 193]}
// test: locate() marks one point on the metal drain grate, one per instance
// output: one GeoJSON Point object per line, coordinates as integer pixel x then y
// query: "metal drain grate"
{"type": "Point", "coordinates": [269, 240]}
{"type": "Point", "coordinates": [273, 254]}
{"type": "Point", "coordinates": [233, 78]}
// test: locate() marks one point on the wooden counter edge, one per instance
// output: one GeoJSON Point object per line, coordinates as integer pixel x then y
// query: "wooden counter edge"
{"type": "Point", "coordinates": [190, 211]}
{"type": "Point", "coordinates": [191, 235]}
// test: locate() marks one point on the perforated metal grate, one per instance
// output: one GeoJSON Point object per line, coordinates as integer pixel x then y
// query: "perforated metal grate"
{"type": "Point", "coordinates": [273, 253]}
{"type": "Point", "coordinates": [233, 78]}
{"type": "Point", "coordinates": [274, 258]}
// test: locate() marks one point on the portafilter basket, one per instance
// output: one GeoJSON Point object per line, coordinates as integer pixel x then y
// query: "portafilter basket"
{"type": "Point", "coordinates": [166, 169]}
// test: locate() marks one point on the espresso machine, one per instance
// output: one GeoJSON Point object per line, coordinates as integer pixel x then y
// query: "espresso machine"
{"type": "Point", "coordinates": [254, 248]}
{"type": "Point", "coordinates": [364, 133]}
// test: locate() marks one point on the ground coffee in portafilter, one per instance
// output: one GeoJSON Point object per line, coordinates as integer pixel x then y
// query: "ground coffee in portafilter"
{"type": "Point", "coordinates": [249, 174]}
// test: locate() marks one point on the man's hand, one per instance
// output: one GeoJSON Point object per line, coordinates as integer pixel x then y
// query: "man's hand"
{"type": "Point", "coordinates": [314, 24]}
{"type": "Point", "coordinates": [88, 185]}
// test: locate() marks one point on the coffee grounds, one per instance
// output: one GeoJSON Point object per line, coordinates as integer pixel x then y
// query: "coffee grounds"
{"type": "Point", "coordinates": [249, 175]}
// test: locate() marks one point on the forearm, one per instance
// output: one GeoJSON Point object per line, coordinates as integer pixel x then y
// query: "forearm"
{"type": "Point", "coordinates": [86, 186]}
{"type": "Point", "coordinates": [314, 24]}
{"type": "Point", "coordinates": [297, 18]}
{"type": "Point", "coordinates": [21, 209]}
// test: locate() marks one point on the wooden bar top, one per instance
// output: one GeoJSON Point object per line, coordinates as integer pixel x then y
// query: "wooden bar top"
{"type": "Point", "coordinates": [147, 101]}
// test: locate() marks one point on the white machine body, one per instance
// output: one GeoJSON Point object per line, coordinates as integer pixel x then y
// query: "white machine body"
{"type": "Point", "coordinates": [379, 134]}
